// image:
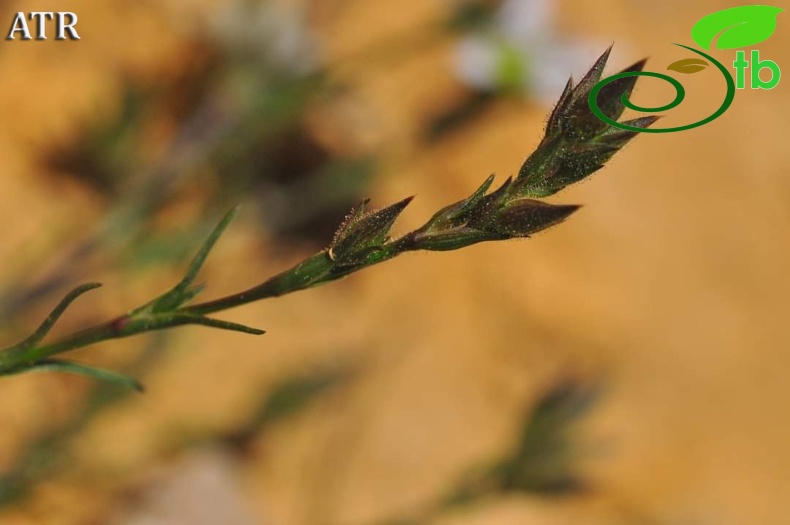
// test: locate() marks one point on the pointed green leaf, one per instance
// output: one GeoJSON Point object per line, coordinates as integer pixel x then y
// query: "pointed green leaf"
{"type": "Point", "coordinates": [57, 365]}
{"type": "Point", "coordinates": [610, 99]}
{"type": "Point", "coordinates": [592, 77]}
{"type": "Point", "coordinates": [619, 137]}
{"type": "Point", "coordinates": [351, 219]}
{"type": "Point", "coordinates": [523, 217]}
{"type": "Point", "coordinates": [688, 65]}
{"type": "Point", "coordinates": [572, 115]}
{"type": "Point", "coordinates": [214, 323]}
{"type": "Point", "coordinates": [200, 256]}
{"type": "Point", "coordinates": [366, 232]}
{"type": "Point", "coordinates": [457, 214]}
{"type": "Point", "coordinates": [738, 26]}
{"type": "Point", "coordinates": [577, 119]}
{"type": "Point", "coordinates": [181, 293]}
{"type": "Point", "coordinates": [53, 317]}
{"type": "Point", "coordinates": [454, 238]}
{"type": "Point", "coordinates": [556, 114]}
{"type": "Point", "coordinates": [484, 210]}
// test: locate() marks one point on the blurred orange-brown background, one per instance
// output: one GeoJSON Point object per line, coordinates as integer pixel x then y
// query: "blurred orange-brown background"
{"type": "Point", "coordinates": [669, 287]}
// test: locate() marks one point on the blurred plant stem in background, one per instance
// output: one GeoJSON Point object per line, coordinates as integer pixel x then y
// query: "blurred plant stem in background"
{"type": "Point", "coordinates": [238, 118]}
{"type": "Point", "coordinates": [541, 461]}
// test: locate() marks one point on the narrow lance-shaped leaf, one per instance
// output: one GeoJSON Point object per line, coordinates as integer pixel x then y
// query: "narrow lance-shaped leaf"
{"type": "Point", "coordinates": [483, 213]}
{"type": "Point", "coordinates": [592, 77]}
{"type": "Point", "coordinates": [523, 217]}
{"type": "Point", "coordinates": [53, 317]}
{"type": "Point", "coordinates": [57, 365]}
{"type": "Point", "coordinates": [619, 137]}
{"type": "Point", "coordinates": [454, 239]}
{"type": "Point", "coordinates": [458, 213]}
{"type": "Point", "coordinates": [365, 232]}
{"type": "Point", "coordinates": [610, 99]}
{"type": "Point", "coordinates": [351, 219]}
{"type": "Point", "coordinates": [556, 114]}
{"type": "Point", "coordinates": [216, 323]}
{"type": "Point", "coordinates": [181, 293]}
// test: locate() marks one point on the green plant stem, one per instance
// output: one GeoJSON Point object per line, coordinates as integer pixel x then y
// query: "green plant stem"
{"type": "Point", "coordinates": [116, 329]}
{"type": "Point", "coordinates": [313, 271]}
{"type": "Point", "coordinates": [316, 270]}
{"type": "Point", "coordinates": [575, 145]}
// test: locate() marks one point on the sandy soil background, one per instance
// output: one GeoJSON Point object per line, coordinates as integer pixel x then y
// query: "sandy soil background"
{"type": "Point", "coordinates": [671, 282]}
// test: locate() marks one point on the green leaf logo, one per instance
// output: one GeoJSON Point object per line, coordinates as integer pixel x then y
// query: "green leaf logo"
{"type": "Point", "coordinates": [739, 26]}
{"type": "Point", "coordinates": [688, 65]}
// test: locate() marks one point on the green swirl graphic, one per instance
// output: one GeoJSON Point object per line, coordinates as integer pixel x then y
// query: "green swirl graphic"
{"type": "Point", "coordinates": [680, 95]}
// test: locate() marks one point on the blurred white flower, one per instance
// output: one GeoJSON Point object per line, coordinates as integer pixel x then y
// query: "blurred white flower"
{"type": "Point", "coordinates": [276, 34]}
{"type": "Point", "coordinates": [520, 50]}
